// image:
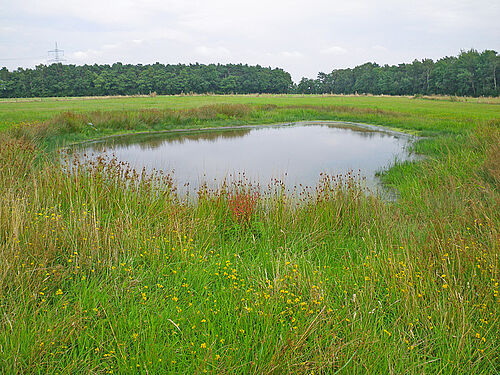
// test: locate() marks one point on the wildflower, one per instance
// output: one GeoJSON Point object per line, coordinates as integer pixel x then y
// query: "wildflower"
{"type": "Point", "coordinates": [203, 346]}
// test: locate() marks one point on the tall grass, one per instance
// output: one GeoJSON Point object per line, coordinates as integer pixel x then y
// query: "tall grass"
{"type": "Point", "coordinates": [107, 270]}
{"type": "Point", "coordinates": [69, 126]}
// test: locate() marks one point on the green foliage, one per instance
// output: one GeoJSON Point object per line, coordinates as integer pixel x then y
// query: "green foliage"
{"type": "Point", "coordinates": [470, 74]}
{"type": "Point", "coordinates": [118, 79]}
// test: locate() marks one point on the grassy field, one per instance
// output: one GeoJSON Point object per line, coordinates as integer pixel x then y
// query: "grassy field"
{"type": "Point", "coordinates": [106, 271]}
{"type": "Point", "coordinates": [438, 115]}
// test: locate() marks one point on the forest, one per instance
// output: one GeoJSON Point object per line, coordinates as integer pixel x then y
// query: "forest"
{"type": "Point", "coordinates": [471, 73]}
{"type": "Point", "coordinates": [128, 79]}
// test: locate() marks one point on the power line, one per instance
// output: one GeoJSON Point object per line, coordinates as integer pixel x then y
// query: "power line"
{"type": "Point", "coordinates": [58, 55]}
{"type": "Point", "coordinates": [21, 58]}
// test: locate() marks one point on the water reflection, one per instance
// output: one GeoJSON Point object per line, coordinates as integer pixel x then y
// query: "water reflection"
{"type": "Point", "coordinates": [154, 140]}
{"type": "Point", "coordinates": [296, 154]}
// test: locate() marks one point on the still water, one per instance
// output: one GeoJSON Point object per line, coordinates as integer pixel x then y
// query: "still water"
{"type": "Point", "coordinates": [294, 153]}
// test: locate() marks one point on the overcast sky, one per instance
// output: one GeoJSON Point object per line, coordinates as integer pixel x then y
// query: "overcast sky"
{"type": "Point", "coordinates": [303, 37]}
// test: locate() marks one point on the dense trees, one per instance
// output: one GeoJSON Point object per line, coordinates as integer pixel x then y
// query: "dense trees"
{"type": "Point", "coordinates": [120, 79]}
{"type": "Point", "coordinates": [469, 74]}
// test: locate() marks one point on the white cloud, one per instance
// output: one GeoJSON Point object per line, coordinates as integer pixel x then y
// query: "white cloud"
{"type": "Point", "coordinates": [292, 54]}
{"type": "Point", "coordinates": [83, 56]}
{"type": "Point", "coordinates": [213, 52]}
{"type": "Point", "coordinates": [379, 48]}
{"type": "Point", "coordinates": [110, 46]}
{"type": "Point", "coordinates": [158, 33]}
{"type": "Point", "coordinates": [7, 29]}
{"type": "Point", "coordinates": [334, 50]}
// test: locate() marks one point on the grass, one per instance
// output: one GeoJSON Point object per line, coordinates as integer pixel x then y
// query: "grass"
{"type": "Point", "coordinates": [416, 114]}
{"type": "Point", "coordinates": [106, 271]}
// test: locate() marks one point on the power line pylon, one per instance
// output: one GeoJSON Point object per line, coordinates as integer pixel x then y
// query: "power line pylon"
{"type": "Point", "coordinates": [58, 55]}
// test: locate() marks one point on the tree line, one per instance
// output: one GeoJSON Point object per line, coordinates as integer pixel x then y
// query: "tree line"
{"type": "Point", "coordinates": [128, 79]}
{"type": "Point", "coordinates": [471, 73]}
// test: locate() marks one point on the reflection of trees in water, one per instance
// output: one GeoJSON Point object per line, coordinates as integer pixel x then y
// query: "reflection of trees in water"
{"type": "Point", "coordinates": [152, 141]}
{"type": "Point", "coordinates": [155, 140]}
{"type": "Point", "coordinates": [363, 132]}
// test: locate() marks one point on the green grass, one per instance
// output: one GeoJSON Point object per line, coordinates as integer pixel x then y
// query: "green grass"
{"type": "Point", "coordinates": [417, 114]}
{"type": "Point", "coordinates": [101, 271]}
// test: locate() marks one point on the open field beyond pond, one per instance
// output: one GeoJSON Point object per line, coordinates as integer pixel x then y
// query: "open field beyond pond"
{"type": "Point", "coordinates": [107, 271]}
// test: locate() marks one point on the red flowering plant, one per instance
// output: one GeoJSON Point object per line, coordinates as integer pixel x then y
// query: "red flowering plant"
{"type": "Point", "coordinates": [242, 205]}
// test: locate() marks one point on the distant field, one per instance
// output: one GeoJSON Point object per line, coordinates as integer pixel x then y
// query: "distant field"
{"type": "Point", "coordinates": [25, 110]}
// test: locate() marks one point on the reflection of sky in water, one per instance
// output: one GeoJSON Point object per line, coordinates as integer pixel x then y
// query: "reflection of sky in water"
{"type": "Point", "coordinates": [301, 151]}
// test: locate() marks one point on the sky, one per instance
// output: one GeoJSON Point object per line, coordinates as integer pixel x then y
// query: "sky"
{"type": "Point", "coordinates": [302, 37]}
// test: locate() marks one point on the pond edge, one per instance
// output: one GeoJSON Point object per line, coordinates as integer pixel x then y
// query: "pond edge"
{"type": "Point", "coordinates": [369, 127]}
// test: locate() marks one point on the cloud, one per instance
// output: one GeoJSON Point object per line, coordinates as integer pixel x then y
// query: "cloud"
{"type": "Point", "coordinates": [379, 48]}
{"type": "Point", "coordinates": [110, 46]}
{"type": "Point", "coordinates": [7, 29]}
{"type": "Point", "coordinates": [213, 52]}
{"type": "Point", "coordinates": [177, 35]}
{"type": "Point", "coordinates": [83, 56]}
{"type": "Point", "coordinates": [333, 50]}
{"type": "Point", "coordinates": [292, 54]}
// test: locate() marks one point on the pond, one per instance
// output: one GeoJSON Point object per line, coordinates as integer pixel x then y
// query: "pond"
{"type": "Point", "coordinates": [295, 153]}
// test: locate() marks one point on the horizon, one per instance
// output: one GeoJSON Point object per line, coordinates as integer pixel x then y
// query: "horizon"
{"type": "Point", "coordinates": [242, 63]}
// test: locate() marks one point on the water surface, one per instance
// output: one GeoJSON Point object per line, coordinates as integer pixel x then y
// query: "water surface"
{"type": "Point", "coordinates": [294, 153]}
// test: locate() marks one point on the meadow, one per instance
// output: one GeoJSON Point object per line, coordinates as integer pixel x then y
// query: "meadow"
{"type": "Point", "coordinates": [108, 270]}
